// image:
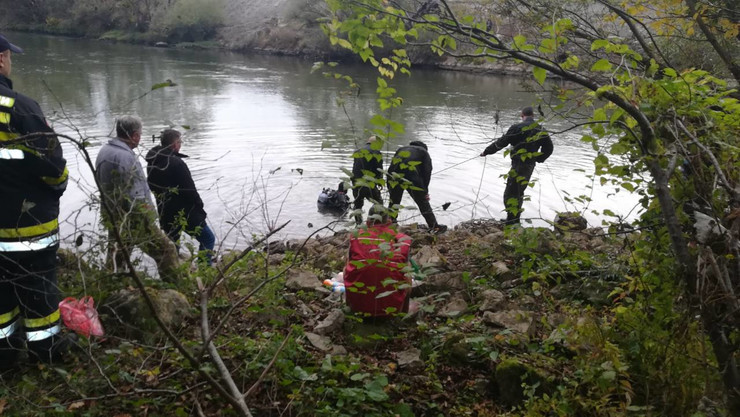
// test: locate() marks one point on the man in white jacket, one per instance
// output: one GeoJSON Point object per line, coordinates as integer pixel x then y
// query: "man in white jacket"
{"type": "Point", "coordinates": [127, 201]}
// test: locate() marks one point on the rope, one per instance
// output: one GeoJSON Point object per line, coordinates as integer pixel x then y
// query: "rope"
{"type": "Point", "coordinates": [477, 193]}
{"type": "Point", "coordinates": [457, 164]}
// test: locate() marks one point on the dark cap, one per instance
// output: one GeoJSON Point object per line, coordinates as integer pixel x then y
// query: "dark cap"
{"type": "Point", "coordinates": [5, 45]}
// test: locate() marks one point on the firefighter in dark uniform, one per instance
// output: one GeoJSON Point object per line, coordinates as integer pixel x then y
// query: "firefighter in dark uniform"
{"type": "Point", "coordinates": [411, 170]}
{"type": "Point", "coordinates": [366, 170]}
{"type": "Point", "coordinates": [34, 176]}
{"type": "Point", "coordinates": [530, 144]}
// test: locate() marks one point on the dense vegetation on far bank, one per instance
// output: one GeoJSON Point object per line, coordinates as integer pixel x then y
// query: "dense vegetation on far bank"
{"type": "Point", "coordinates": [135, 21]}
{"type": "Point", "coordinates": [290, 27]}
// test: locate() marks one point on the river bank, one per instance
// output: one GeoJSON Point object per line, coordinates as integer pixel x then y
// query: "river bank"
{"type": "Point", "coordinates": [505, 320]}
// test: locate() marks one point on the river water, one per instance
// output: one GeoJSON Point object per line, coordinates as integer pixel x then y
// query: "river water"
{"type": "Point", "coordinates": [266, 134]}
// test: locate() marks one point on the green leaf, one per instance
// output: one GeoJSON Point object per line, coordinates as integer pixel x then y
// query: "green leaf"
{"type": "Point", "coordinates": [519, 41]}
{"type": "Point", "coordinates": [609, 375]}
{"type": "Point", "coordinates": [540, 74]}
{"type": "Point", "coordinates": [598, 44]}
{"type": "Point", "coordinates": [385, 294]}
{"type": "Point", "coordinates": [601, 161]}
{"type": "Point", "coordinates": [602, 65]}
{"type": "Point", "coordinates": [548, 46]}
{"type": "Point", "coordinates": [670, 72]}
{"type": "Point", "coordinates": [628, 186]}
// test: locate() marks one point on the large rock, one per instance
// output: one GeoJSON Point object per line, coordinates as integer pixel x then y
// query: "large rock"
{"type": "Point", "coordinates": [492, 300]}
{"type": "Point", "coordinates": [331, 323]}
{"type": "Point", "coordinates": [276, 258]}
{"type": "Point", "coordinates": [410, 360]}
{"type": "Point", "coordinates": [430, 257]}
{"type": "Point", "coordinates": [570, 221]}
{"type": "Point", "coordinates": [304, 247]}
{"type": "Point", "coordinates": [338, 240]}
{"type": "Point", "coordinates": [494, 238]}
{"type": "Point", "coordinates": [302, 280]}
{"type": "Point", "coordinates": [330, 258]}
{"type": "Point", "coordinates": [127, 310]}
{"type": "Point", "coordinates": [441, 282]}
{"type": "Point", "coordinates": [446, 281]}
{"type": "Point", "coordinates": [339, 350]}
{"type": "Point", "coordinates": [517, 321]}
{"type": "Point", "coordinates": [500, 270]}
{"type": "Point", "coordinates": [454, 307]}
{"type": "Point", "coordinates": [320, 342]}
{"type": "Point", "coordinates": [276, 246]}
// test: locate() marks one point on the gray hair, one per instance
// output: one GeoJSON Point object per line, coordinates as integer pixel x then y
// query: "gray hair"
{"type": "Point", "coordinates": [169, 136]}
{"type": "Point", "coordinates": [126, 126]}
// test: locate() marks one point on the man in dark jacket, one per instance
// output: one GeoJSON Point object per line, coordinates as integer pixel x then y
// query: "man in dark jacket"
{"type": "Point", "coordinates": [411, 170]}
{"type": "Point", "coordinates": [33, 175]}
{"type": "Point", "coordinates": [178, 201]}
{"type": "Point", "coordinates": [529, 144]}
{"type": "Point", "coordinates": [366, 170]}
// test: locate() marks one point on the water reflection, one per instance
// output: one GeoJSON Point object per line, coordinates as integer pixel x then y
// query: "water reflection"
{"type": "Point", "coordinates": [266, 135]}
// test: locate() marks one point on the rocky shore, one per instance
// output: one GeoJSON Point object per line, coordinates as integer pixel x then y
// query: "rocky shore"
{"type": "Point", "coordinates": [482, 304]}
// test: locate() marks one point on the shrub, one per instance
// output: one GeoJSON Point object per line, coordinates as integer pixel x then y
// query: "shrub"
{"type": "Point", "coordinates": [193, 20]}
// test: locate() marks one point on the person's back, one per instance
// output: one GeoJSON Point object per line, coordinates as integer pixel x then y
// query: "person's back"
{"type": "Point", "coordinates": [171, 182]}
{"type": "Point", "coordinates": [367, 161]}
{"type": "Point", "coordinates": [120, 175]}
{"type": "Point", "coordinates": [414, 164]}
{"type": "Point", "coordinates": [411, 170]}
{"type": "Point", "coordinates": [38, 180]}
{"type": "Point", "coordinates": [178, 201]}
{"type": "Point", "coordinates": [530, 144]}
{"type": "Point", "coordinates": [529, 141]}
{"type": "Point", "coordinates": [375, 275]}
{"type": "Point", "coordinates": [367, 170]}
{"type": "Point", "coordinates": [34, 176]}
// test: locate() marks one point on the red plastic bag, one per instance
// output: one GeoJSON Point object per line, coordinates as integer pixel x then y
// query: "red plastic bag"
{"type": "Point", "coordinates": [81, 316]}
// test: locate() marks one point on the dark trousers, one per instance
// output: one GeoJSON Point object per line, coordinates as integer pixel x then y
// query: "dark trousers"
{"type": "Point", "coordinates": [204, 235]}
{"type": "Point", "coordinates": [516, 183]}
{"type": "Point", "coordinates": [360, 194]}
{"type": "Point", "coordinates": [29, 299]}
{"type": "Point", "coordinates": [420, 198]}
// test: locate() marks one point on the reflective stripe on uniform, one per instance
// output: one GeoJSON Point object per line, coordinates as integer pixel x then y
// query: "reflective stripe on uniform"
{"type": "Point", "coordinates": [57, 180]}
{"type": "Point", "coordinates": [8, 317]}
{"type": "Point", "coordinates": [8, 330]}
{"type": "Point", "coordinates": [43, 321]}
{"type": "Point", "coordinates": [42, 334]}
{"type": "Point", "coordinates": [11, 154]}
{"type": "Point", "coordinates": [29, 231]}
{"type": "Point", "coordinates": [7, 101]}
{"type": "Point", "coordinates": [29, 245]}
{"type": "Point", "coordinates": [5, 118]}
{"type": "Point", "coordinates": [6, 136]}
